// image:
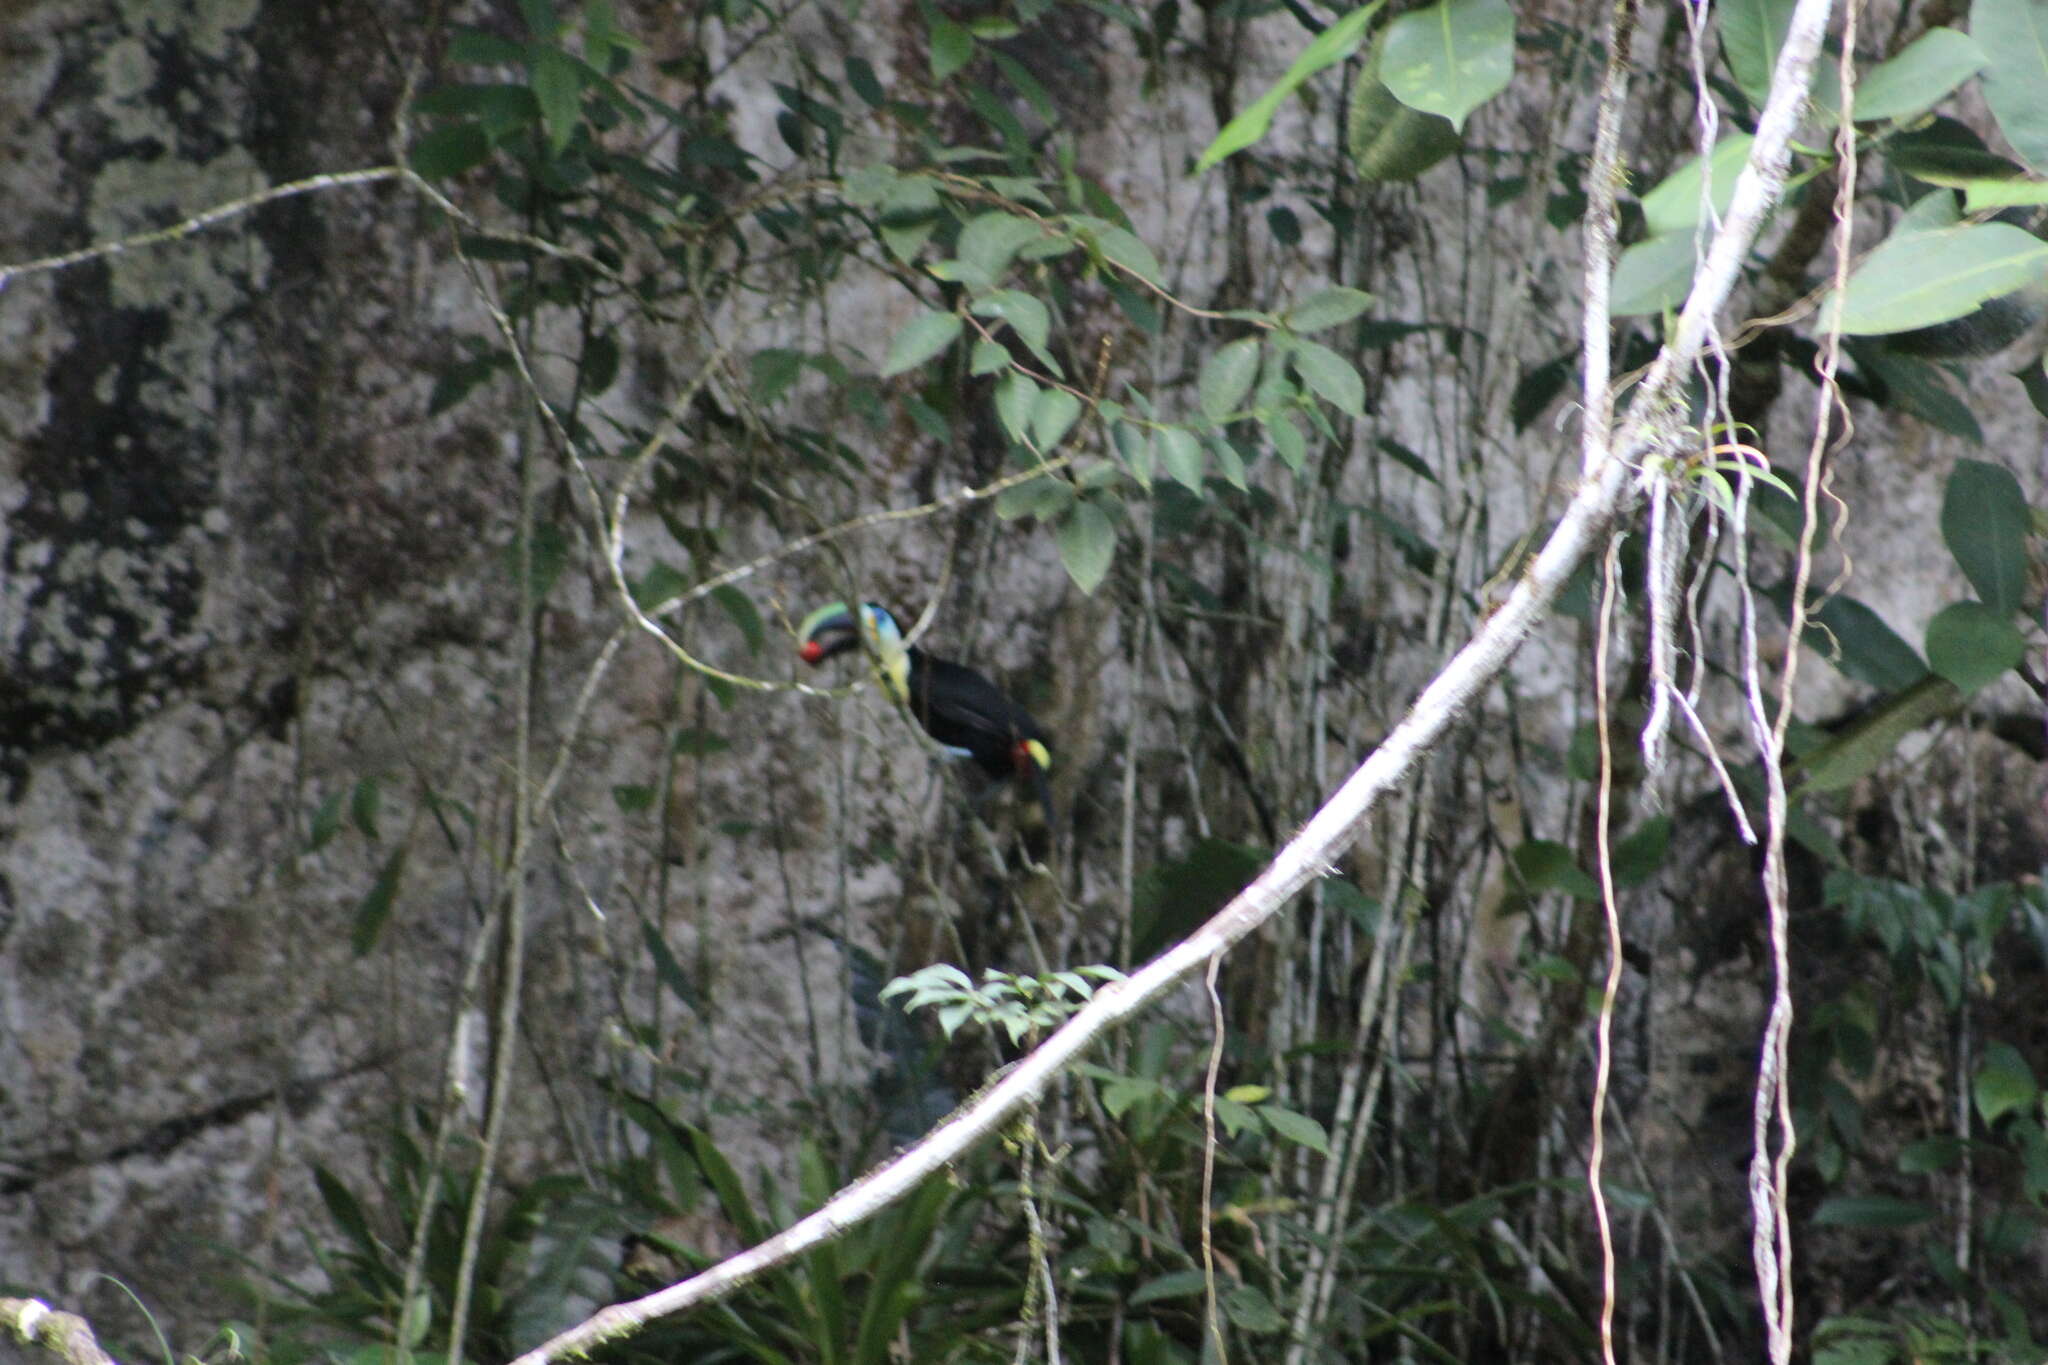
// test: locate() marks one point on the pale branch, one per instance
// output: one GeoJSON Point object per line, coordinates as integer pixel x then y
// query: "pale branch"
{"type": "Point", "coordinates": [64, 1335]}
{"type": "Point", "coordinates": [1310, 854]}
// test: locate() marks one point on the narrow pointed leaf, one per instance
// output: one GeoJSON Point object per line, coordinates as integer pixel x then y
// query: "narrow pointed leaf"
{"type": "Point", "coordinates": [1331, 46]}
{"type": "Point", "coordinates": [1180, 455]}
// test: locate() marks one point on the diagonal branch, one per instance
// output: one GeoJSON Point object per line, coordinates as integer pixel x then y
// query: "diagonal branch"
{"type": "Point", "coordinates": [1310, 854]}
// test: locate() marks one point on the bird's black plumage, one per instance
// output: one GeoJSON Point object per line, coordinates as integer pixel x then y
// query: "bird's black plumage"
{"type": "Point", "coordinates": [955, 705]}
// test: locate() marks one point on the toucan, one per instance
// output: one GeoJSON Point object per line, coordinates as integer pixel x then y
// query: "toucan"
{"type": "Point", "coordinates": [968, 715]}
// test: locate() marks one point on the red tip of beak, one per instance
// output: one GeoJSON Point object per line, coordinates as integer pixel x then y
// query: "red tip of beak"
{"type": "Point", "coordinates": [811, 652]}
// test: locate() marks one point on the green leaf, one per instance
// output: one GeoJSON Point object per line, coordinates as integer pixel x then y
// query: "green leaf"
{"type": "Point", "coordinates": [1946, 152]}
{"type": "Point", "coordinates": [1546, 865]}
{"type": "Point", "coordinates": [1979, 195]}
{"type": "Point", "coordinates": [952, 47]}
{"type": "Point", "coordinates": [1087, 540]}
{"type": "Point", "coordinates": [1287, 440]}
{"type": "Point", "coordinates": [449, 151]}
{"type": "Point", "coordinates": [1637, 858]}
{"type": "Point", "coordinates": [325, 825]}
{"type": "Point", "coordinates": [1327, 309]}
{"type": "Point", "coordinates": [1859, 643]}
{"type": "Point", "coordinates": [992, 240]}
{"type": "Point", "coordinates": [1752, 35]}
{"type": "Point", "coordinates": [922, 338]}
{"type": "Point", "coordinates": [1331, 46]}
{"type": "Point", "coordinates": [1871, 1211]}
{"type": "Point", "coordinates": [1923, 278]}
{"type": "Point", "coordinates": [633, 798]}
{"type": "Point", "coordinates": [1920, 77]}
{"type": "Point", "coordinates": [1452, 57]}
{"type": "Point", "coordinates": [1857, 751]}
{"type": "Point", "coordinates": [1652, 275]}
{"type": "Point", "coordinates": [1016, 396]}
{"type": "Point", "coordinates": [363, 804]}
{"type": "Point", "coordinates": [1227, 377]}
{"type": "Point", "coordinates": [373, 912]}
{"type": "Point", "coordinates": [1044, 498]}
{"type": "Point", "coordinates": [987, 357]}
{"type": "Point", "coordinates": [558, 86]}
{"type": "Point", "coordinates": [1929, 1155]}
{"type": "Point", "coordinates": [2014, 37]}
{"type": "Point", "coordinates": [1299, 1129]}
{"type": "Point", "coordinates": [1229, 463]}
{"type": "Point", "coordinates": [1179, 1284]}
{"type": "Point", "coordinates": [2004, 1083]}
{"type": "Point", "coordinates": [741, 609]}
{"type": "Point", "coordinates": [1180, 455]}
{"type": "Point", "coordinates": [1025, 314]}
{"type": "Point", "coordinates": [1674, 205]}
{"type": "Point", "coordinates": [1386, 139]}
{"type": "Point", "coordinates": [669, 971]}
{"type": "Point", "coordinates": [1985, 520]}
{"type": "Point", "coordinates": [1120, 247]}
{"type": "Point", "coordinates": [1052, 416]}
{"type": "Point", "coordinates": [1249, 1310]}
{"type": "Point", "coordinates": [1917, 387]}
{"type": "Point", "coordinates": [1972, 646]}
{"type": "Point", "coordinates": [1331, 376]}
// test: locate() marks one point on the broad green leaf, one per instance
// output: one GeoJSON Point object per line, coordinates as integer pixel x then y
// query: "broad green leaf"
{"type": "Point", "coordinates": [1331, 46]}
{"type": "Point", "coordinates": [1052, 416]}
{"type": "Point", "coordinates": [1946, 152]}
{"type": "Point", "coordinates": [1753, 34]}
{"type": "Point", "coordinates": [1930, 1154]}
{"type": "Point", "coordinates": [922, 338]}
{"type": "Point", "coordinates": [364, 803]}
{"type": "Point", "coordinates": [1227, 377]}
{"type": "Point", "coordinates": [1120, 247]}
{"type": "Point", "coordinates": [449, 151]}
{"type": "Point", "coordinates": [1178, 1284]}
{"type": "Point", "coordinates": [2004, 1083]}
{"type": "Point", "coordinates": [1917, 387]}
{"type": "Point", "coordinates": [1652, 275]}
{"type": "Point", "coordinates": [469, 46]}
{"type": "Point", "coordinates": [1450, 58]}
{"type": "Point", "coordinates": [1929, 277]}
{"type": "Point", "coordinates": [1546, 865]}
{"type": "Point", "coordinates": [1331, 376]}
{"type": "Point", "coordinates": [1985, 520]}
{"type": "Point", "coordinates": [1674, 205]}
{"type": "Point", "coordinates": [1972, 646]}
{"type": "Point", "coordinates": [1637, 858]}
{"type": "Point", "coordinates": [1920, 77]}
{"type": "Point", "coordinates": [2014, 37]}
{"type": "Point", "coordinates": [1979, 195]}
{"type": "Point", "coordinates": [993, 240]}
{"type": "Point", "coordinates": [1859, 643]}
{"type": "Point", "coordinates": [1016, 396]}
{"type": "Point", "coordinates": [987, 357]}
{"type": "Point", "coordinates": [1299, 1129]}
{"type": "Point", "coordinates": [1327, 309]}
{"type": "Point", "coordinates": [1134, 448]}
{"type": "Point", "coordinates": [1087, 539]}
{"type": "Point", "coordinates": [1043, 498]}
{"type": "Point", "coordinates": [1023, 312]}
{"type": "Point", "coordinates": [952, 47]}
{"type": "Point", "coordinates": [1388, 140]}
{"type": "Point", "coordinates": [1180, 455]}
{"type": "Point", "coordinates": [1249, 1310]}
